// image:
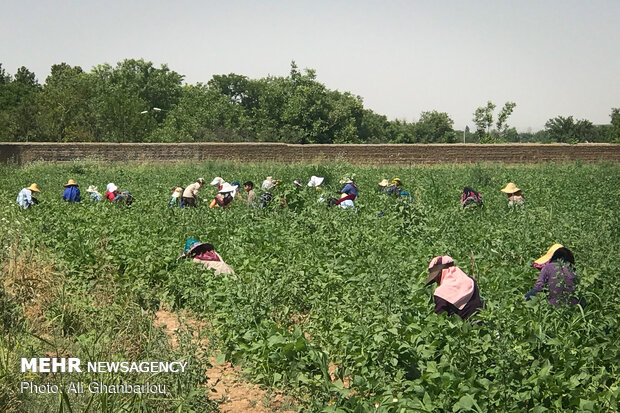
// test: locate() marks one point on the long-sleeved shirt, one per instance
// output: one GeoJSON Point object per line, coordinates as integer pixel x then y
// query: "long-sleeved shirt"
{"type": "Point", "coordinates": [350, 189]}
{"type": "Point", "coordinates": [470, 308]}
{"type": "Point", "coordinates": [251, 196]}
{"type": "Point", "coordinates": [561, 282]}
{"type": "Point", "coordinates": [24, 198]}
{"type": "Point", "coordinates": [191, 190]}
{"type": "Point", "coordinates": [71, 194]}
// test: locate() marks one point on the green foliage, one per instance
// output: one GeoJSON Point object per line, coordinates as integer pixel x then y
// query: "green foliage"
{"type": "Point", "coordinates": [566, 130]}
{"type": "Point", "coordinates": [320, 292]}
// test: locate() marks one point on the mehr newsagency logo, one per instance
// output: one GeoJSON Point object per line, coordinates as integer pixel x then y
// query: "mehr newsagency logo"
{"type": "Point", "coordinates": [75, 365]}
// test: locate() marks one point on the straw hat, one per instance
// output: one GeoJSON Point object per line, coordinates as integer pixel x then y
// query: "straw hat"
{"type": "Point", "coordinates": [435, 267]}
{"type": "Point", "coordinates": [545, 258]}
{"type": "Point", "coordinates": [226, 187]}
{"type": "Point", "coordinates": [396, 181]}
{"type": "Point", "coordinates": [384, 182]}
{"type": "Point", "coordinates": [510, 188]}
{"type": "Point", "coordinates": [111, 187]}
{"type": "Point", "coordinates": [217, 181]}
{"type": "Point", "coordinates": [92, 189]}
{"type": "Point", "coordinates": [33, 187]}
{"type": "Point", "coordinates": [71, 182]}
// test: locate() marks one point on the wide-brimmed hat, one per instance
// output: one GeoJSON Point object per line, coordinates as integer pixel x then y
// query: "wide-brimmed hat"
{"type": "Point", "coordinates": [226, 187]}
{"type": "Point", "coordinates": [111, 187]}
{"type": "Point", "coordinates": [384, 182]}
{"type": "Point", "coordinates": [192, 244]}
{"type": "Point", "coordinates": [71, 182]}
{"type": "Point", "coordinates": [435, 267]}
{"type": "Point", "coordinates": [217, 181]}
{"type": "Point", "coordinates": [92, 188]}
{"type": "Point", "coordinates": [396, 181]}
{"type": "Point", "coordinates": [316, 180]}
{"type": "Point", "coordinates": [33, 187]}
{"type": "Point", "coordinates": [510, 188]}
{"type": "Point", "coordinates": [547, 256]}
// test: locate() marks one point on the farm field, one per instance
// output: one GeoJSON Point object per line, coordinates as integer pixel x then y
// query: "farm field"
{"type": "Point", "coordinates": [326, 305]}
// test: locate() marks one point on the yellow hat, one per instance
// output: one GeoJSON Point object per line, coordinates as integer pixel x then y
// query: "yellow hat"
{"type": "Point", "coordinates": [545, 258]}
{"type": "Point", "coordinates": [33, 187]}
{"type": "Point", "coordinates": [384, 183]}
{"type": "Point", "coordinates": [396, 181]}
{"type": "Point", "coordinates": [510, 188]}
{"type": "Point", "coordinates": [71, 182]}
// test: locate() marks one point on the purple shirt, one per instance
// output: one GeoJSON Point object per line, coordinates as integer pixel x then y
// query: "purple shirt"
{"type": "Point", "coordinates": [561, 281]}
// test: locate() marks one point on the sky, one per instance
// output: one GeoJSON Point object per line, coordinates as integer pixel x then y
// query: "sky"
{"type": "Point", "coordinates": [552, 57]}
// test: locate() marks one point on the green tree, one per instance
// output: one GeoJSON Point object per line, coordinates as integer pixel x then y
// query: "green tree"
{"type": "Point", "coordinates": [503, 115]}
{"type": "Point", "coordinates": [483, 118]}
{"type": "Point", "coordinates": [615, 125]}
{"type": "Point", "coordinates": [435, 127]}
{"type": "Point", "coordinates": [567, 130]}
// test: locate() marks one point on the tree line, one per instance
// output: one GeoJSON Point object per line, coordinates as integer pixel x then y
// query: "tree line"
{"type": "Point", "coordinates": [135, 101]}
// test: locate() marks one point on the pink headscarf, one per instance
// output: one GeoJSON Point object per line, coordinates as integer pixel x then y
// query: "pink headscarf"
{"type": "Point", "coordinates": [455, 287]}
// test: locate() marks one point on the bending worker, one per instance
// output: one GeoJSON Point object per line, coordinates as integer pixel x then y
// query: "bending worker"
{"type": "Point", "coordinates": [456, 293]}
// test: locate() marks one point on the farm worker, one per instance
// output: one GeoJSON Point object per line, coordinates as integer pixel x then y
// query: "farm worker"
{"type": "Point", "coordinates": [544, 259]}
{"type": "Point", "coordinates": [249, 188]}
{"type": "Point", "coordinates": [175, 197]}
{"type": "Point", "coordinates": [204, 253]}
{"type": "Point", "coordinates": [382, 186]}
{"type": "Point", "coordinates": [394, 188]}
{"type": "Point", "coordinates": [217, 181]}
{"type": "Point", "coordinates": [456, 293]}
{"type": "Point", "coordinates": [114, 195]}
{"type": "Point", "coordinates": [515, 197]}
{"type": "Point", "coordinates": [269, 183]}
{"type": "Point", "coordinates": [72, 192]}
{"type": "Point", "coordinates": [316, 181]}
{"type": "Point", "coordinates": [94, 193]}
{"type": "Point", "coordinates": [224, 197]}
{"type": "Point", "coordinates": [558, 273]}
{"type": "Point", "coordinates": [348, 193]}
{"type": "Point", "coordinates": [470, 197]}
{"type": "Point", "coordinates": [190, 194]}
{"type": "Point", "coordinates": [25, 198]}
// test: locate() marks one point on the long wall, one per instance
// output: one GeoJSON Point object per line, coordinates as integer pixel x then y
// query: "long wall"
{"type": "Point", "coordinates": [23, 153]}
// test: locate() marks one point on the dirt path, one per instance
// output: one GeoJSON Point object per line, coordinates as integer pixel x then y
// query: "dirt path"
{"type": "Point", "coordinates": [234, 394]}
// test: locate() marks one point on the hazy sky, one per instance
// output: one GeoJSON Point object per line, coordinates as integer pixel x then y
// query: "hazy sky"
{"type": "Point", "coordinates": [551, 57]}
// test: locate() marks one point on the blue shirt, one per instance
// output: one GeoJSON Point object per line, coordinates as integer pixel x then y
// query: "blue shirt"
{"type": "Point", "coordinates": [349, 189]}
{"type": "Point", "coordinates": [71, 194]}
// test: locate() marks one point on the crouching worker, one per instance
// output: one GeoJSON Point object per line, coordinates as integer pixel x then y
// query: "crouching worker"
{"type": "Point", "coordinates": [114, 195]}
{"type": "Point", "coordinates": [25, 199]}
{"type": "Point", "coordinates": [515, 197]}
{"type": "Point", "coordinates": [203, 253]}
{"type": "Point", "coordinates": [558, 274]}
{"type": "Point", "coordinates": [456, 293]}
{"type": "Point", "coordinates": [224, 197]}
{"type": "Point", "coordinates": [470, 197]}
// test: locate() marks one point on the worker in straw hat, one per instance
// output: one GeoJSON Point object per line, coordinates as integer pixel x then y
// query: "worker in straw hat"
{"type": "Point", "coordinates": [456, 293]}
{"type": "Point", "coordinates": [93, 193]}
{"type": "Point", "coordinates": [25, 198]}
{"type": "Point", "coordinates": [382, 186]}
{"type": "Point", "coordinates": [515, 197]}
{"type": "Point", "coordinates": [348, 194]}
{"type": "Point", "coordinates": [72, 192]}
{"type": "Point", "coordinates": [204, 253]}
{"type": "Point", "coordinates": [558, 275]}
{"type": "Point", "coordinates": [546, 257]}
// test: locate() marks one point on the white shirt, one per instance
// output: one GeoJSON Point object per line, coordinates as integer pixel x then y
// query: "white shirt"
{"type": "Point", "coordinates": [24, 198]}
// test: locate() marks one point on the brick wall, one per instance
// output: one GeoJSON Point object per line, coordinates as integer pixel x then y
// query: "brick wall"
{"type": "Point", "coordinates": [24, 153]}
